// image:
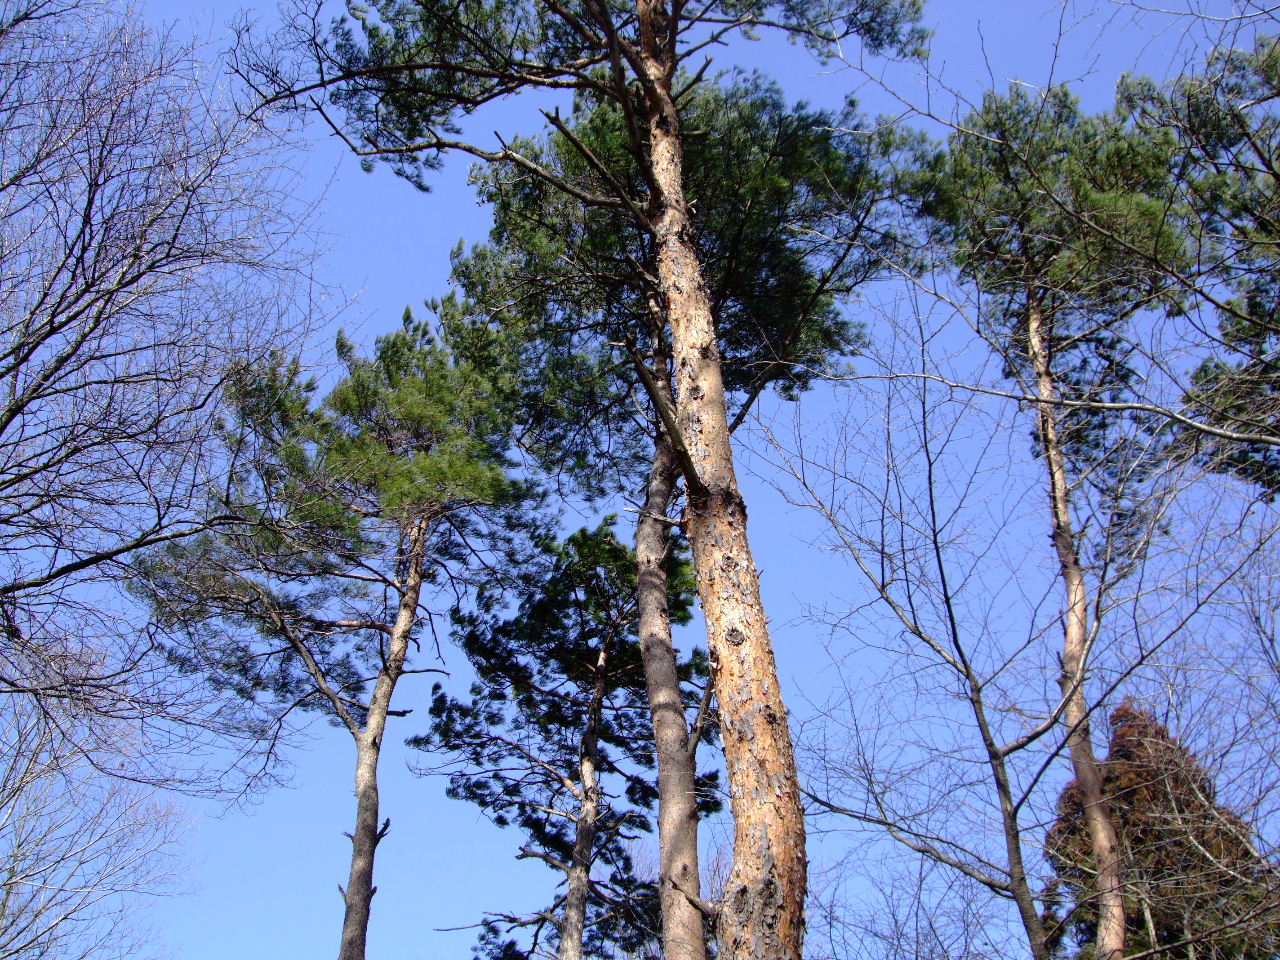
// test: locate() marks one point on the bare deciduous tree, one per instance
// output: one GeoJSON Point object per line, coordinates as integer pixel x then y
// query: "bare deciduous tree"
{"type": "Point", "coordinates": [945, 733]}
{"type": "Point", "coordinates": [76, 847]}
{"type": "Point", "coordinates": [144, 248]}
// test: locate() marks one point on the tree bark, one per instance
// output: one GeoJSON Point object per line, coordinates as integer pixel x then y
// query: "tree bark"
{"type": "Point", "coordinates": [762, 914]}
{"type": "Point", "coordinates": [678, 874]}
{"type": "Point", "coordinates": [578, 888]}
{"type": "Point", "coordinates": [367, 834]}
{"type": "Point", "coordinates": [1019, 886]}
{"type": "Point", "coordinates": [1105, 843]}
{"type": "Point", "coordinates": [364, 844]}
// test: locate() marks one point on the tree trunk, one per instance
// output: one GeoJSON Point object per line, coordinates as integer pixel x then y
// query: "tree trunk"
{"type": "Point", "coordinates": [682, 927]}
{"type": "Point", "coordinates": [762, 914]}
{"type": "Point", "coordinates": [997, 758]}
{"type": "Point", "coordinates": [364, 844]}
{"type": "Point", "coordinates": [367, 833]}
{"type": "Point", "coordinates": [1105, 844]}
{"type": "Point", "coordinates": [1019, 886]}
{"type": "Point", "coordinates": [578, 888]}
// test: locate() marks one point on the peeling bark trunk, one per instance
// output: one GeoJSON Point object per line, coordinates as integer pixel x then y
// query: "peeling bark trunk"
{"type": "Point", "coordinates": [573, 924]}
{"type": "Point", "coordinates": [678, 874]}
{"type": "Point", "coordinates": [762, 915]}
{"type": "Point", "coordinates": [367, 833]}
{"type": "Point", "coordinates": [1105, 843]}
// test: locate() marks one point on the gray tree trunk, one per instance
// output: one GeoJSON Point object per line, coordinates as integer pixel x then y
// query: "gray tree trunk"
{"type": "Point", "coordinates": [367, 834]}
{"type": "Point", "coordinates": [573, 923]}
{"type": "Point", "coordinates": [678, 874]}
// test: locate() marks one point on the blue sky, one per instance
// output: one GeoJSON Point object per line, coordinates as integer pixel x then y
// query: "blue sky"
{"type": "Point", "coordinates": [264, 877]}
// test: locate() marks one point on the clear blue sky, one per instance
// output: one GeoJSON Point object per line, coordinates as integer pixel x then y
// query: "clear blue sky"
{"type": "Point", "coordinates": [264, 879]}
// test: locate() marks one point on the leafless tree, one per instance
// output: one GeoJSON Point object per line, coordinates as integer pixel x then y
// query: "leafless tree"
{"type": "Point", "coordinates": [76, 848]}
{"type": "Point", "coordinates": [934, 612]}
{"type": "Point", "coordinates": [919, 909]}
{"type": "Point", "coordinates": [145, 254]}
{"type": "Point", "coordinates": [946, 731]}
{"type": "Point", "coordinates": [144, 248]}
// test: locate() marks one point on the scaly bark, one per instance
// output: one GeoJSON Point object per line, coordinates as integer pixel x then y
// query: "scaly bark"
{"type": "Point", "coordinates": [367, 833]}
{"type": "Point", "coordinates": [762, 913]}
{"type": "Point", "coordinates": [678, 874]}
{"type": "Point", "coordinates": [1105, 843]}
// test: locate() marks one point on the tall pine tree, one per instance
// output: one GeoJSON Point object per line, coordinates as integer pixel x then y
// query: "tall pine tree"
{"type": "Point", "coordinates": [354, 515]}
{"type": "Point", "coordinates": [406, 71]}
{"type": "Point", "coordinates": [1056, 297]}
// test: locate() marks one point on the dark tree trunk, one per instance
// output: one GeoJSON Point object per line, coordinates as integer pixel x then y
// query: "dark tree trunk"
{"type": "Point", "coordinates": [578, 887]}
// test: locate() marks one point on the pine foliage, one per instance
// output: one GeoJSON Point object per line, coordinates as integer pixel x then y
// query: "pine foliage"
{"type": "Point", "coordinates": [559, 700]}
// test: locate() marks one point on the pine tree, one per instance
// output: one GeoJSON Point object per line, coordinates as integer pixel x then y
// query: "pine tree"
{"type": "Point", "coordinates": [1057, 297]}
{"type": "Point", "coordinates": [1227, 135]}
{"type": "Point", "coordinates": [554, 740]}
{"type": "Point", "coordinates": [791, 206]}
{"type": "Point", "coordinates": [352, 513]}
{"type": "Point", "coordinates": [406, 71]}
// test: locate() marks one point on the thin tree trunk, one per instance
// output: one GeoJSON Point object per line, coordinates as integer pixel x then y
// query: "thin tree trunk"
{"type": "Point", "coordinates": [678, 874]}
{"type": "Point", "coordinates": [997, 758]}
{"type": "Point", "coordinates": [1019, 887]}
{"type": "Point", "coordinates": [573, 924]}
{"type": "Point", "coordinates": [1104, 841]}
{"type": "Point", "coordinates": [762, 914]}
{"type": "Point", "coordinates": [367, 833]}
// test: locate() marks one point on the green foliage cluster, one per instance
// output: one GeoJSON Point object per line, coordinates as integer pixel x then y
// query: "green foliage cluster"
{"type": "Point", "coordinates": [412, 69]}
{"type": "Point", "coordinates": [1043, 205]}
{"type": "Point", "coordinates": [1035, 191]}
{"type": "Point", "coordinates": [794, 213]}
{"type": "Point", "coordinates": [326, 498]}
{"type": "Point", "coordinates": [415, 425]}
{"type": "Point", "coordinates": [1065, 217]}
{"type": "Point", "coordinates": [1227, 138]}
{"type": "Point", "coordinates": [559, 680]}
